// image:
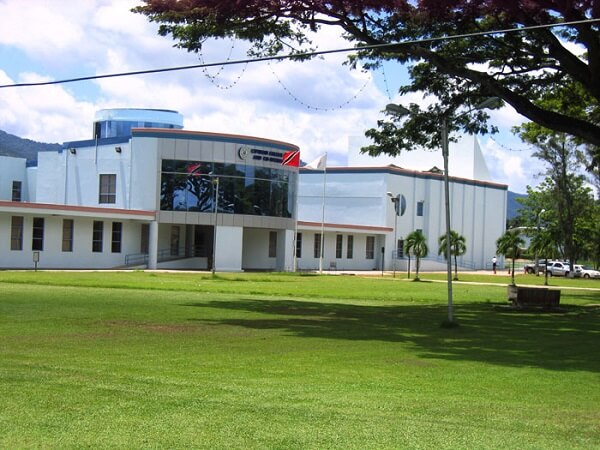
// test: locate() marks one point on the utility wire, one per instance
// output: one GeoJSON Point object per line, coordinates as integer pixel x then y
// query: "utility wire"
{"type": "Point", "coordinates": [302, 55]}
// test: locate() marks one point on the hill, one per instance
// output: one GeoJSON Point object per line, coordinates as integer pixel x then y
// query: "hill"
{"type": "Point", "coordinates": [11, 145]}
{"type": "Point", "coordinates": [513, 205]}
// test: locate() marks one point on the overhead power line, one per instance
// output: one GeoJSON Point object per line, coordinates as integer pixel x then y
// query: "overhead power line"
{"type": "Point", "coordinates": [301, 55]}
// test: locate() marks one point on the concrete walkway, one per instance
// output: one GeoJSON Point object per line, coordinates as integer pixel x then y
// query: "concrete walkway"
{"type": "Point", "coordinates": [503, 278]}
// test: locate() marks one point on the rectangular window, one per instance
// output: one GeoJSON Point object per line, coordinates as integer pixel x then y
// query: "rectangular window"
{"type": "Point", "coordinates": [145, 238]}
{"type": "Point", "coordinates": [108, 188]}
{"type": "Point", "coordinates": [400, 248]}
{"type": "Point", "coordinates": [420, 208]}
{"type": "Point", "coordinates": [175, 239]}
{"type": "Point", "coordinates": [350, 247]}
{"type": "Point", "coordinates": [37, 238]}
{"type": "Point", "coordinates": [115, 242]}
{"type": "Point", "coordinates": [370, 249]}
{"type": "Point", "coordinates": [339, 243]}
{"type": "Point", "coordinates": [97, 236]}
{"type": "Point", "coordinates": [67, 235]}
{"type": "Point", "coordinates": [272, 244]}
{"type": "Point", "coordinates": [298, 245]}
{"type": "Point", "coordinates": [17, 187]}
{"type": "Point", "coordinates": [16, 233]}
{"type": "Point", "coordinates": [317, 246]}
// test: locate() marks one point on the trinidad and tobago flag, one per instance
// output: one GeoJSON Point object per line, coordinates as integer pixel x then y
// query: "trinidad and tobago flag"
{"type": "Point", "coordinates": [194, 169]}
{"type": "Point", "coordinates": [291, 158]}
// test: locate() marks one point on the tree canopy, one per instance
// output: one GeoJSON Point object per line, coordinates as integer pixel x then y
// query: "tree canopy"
{"type": "Point", "coordinates": [523, 68]}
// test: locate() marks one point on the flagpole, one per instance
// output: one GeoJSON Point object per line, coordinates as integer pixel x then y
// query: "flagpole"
{"type": "Point", "coordinates": [321, 164]}
{"type": "Point", "coordinates": [323, 217]}
{"type": "Point", "coordinates": [292, 159]}
{"type": "Point", "coordinates": [295, 240]}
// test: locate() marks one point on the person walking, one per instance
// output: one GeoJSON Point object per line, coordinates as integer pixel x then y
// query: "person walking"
{"type": "Point", "coordinates": [494, 260]}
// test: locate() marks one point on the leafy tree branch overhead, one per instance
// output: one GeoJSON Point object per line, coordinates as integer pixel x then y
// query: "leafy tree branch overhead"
{"type": "Point", "coordinates": [521, 68]}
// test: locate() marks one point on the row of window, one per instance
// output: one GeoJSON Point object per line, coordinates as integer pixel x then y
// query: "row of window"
{"type": "Point", "coordinates": [339, 246]}
{"type": "Point", "coordinates": [68, 227]}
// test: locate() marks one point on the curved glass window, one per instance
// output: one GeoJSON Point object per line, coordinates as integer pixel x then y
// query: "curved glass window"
{"type": "Point", "coordinates": [260, 191]}
{"type": "Point", "coordinates": [120, 128]}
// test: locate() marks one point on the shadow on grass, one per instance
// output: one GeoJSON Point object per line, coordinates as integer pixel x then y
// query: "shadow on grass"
{"type": "Point", "coordinates": [557, 341]}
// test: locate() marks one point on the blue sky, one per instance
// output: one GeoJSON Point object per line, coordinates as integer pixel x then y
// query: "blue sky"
{"type": "Point", "coordinates": [316, 105]}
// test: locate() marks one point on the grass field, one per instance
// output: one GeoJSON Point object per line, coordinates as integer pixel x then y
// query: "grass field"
{"type": "Point", "coordinates": [148, 360]}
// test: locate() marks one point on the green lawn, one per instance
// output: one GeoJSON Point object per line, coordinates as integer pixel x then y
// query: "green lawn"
{"type": "Point", "coordinates": [147, 360]}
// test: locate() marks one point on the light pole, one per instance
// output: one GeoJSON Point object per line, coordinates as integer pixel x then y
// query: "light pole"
{"type": "Point", "coordinates": [445, 154]}
{"type": "Point", "coordinates": [400, 111]}
{"type": "Point", "coordinates": [537, 268]}
{"type": "Point", "coordinates": [395, 200]}
{"type": "Point", "coordinates": [215, 183]}
{"type": "Point", "coordinates": [399, 207]}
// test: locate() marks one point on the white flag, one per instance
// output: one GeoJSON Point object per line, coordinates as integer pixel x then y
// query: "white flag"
{"type": "Point", "coordinates": [318, 164]}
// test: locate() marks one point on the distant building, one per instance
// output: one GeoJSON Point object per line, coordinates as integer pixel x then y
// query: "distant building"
{"type": "Point", "coordinates": [146, 193]}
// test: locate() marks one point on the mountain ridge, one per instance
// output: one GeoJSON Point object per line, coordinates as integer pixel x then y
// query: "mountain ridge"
{"type": "Point", "coordinates": [11, 145]}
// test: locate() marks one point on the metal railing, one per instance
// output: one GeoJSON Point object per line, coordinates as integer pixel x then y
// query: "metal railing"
{"type": "Point", "coordinates": [165, 254]}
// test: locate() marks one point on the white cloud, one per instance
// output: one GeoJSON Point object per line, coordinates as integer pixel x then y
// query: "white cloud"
{"type": "Point", "coordinates": [41, 27]}
{"type": "Point", "coordinates": [512, 166]}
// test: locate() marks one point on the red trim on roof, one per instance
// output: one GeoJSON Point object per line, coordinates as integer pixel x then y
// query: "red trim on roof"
{"type": "Point", "coordinates": [391, 168]}
{"type": "Point", "coordinates": [89, 209]}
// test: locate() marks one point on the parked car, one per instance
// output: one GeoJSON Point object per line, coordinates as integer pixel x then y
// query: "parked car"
{"type": "Point", "coordinates": [530, 268]}
{"type": "Point", "coordinates": [587, 272]}
{"type": "Point", "coordinates": [561, 269]}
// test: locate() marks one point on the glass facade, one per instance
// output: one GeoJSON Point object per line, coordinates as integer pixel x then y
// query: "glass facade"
{"type": "Point", "coordinates": [242, 189]}
{"type": "Point", "coordinates": [119, 128]}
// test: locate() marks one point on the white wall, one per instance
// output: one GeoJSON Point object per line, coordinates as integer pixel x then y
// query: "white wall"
{"type": "Point", "coordinates": [255, 253]}
{"type": "Point", "coordinates": [73, 178]}
{"type": "Point", "coordinates": [145, 174]}
{"type": "Point", "coordinates": [350, 198]}
{"type": "Point", "coordinates": [12, 169]}
{"type": "Point", "coordinates": [228, 253]}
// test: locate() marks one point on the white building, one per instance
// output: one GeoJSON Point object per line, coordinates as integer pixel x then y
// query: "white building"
{"type": "Point", "coordinates": [144, 192]}
{"type": "Point", "coordinates": [360, 219]}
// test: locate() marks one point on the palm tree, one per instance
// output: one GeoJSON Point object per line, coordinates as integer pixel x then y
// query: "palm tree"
{"type": "Point", "coordinates": [417, 242]}
{"type": "Point", "coordinates": [542, 243]}
{"type": "Point", "coordinates": [458, 247]}
{"type": "Point", "coordinates": [509, 245]}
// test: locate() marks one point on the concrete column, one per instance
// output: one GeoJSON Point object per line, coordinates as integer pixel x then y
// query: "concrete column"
{"type": "Point", "coordinates": [228, 257]}
{"type": "Point", "coordinates": [153, 246]}
{"type": "Point", "coordinates": [285, 250]}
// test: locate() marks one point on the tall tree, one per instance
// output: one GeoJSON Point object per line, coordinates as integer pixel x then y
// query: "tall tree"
{"type": "Point", "coordinates": [417, 243]}
{"type": "Point", "coordinates": [458, 247]}
{"type": "Point", "coordinates": [519, 67]}
{"type": "Point", "coordinates": [510, 245]}
{"type": "Point", "coordinates": [570, 215]}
